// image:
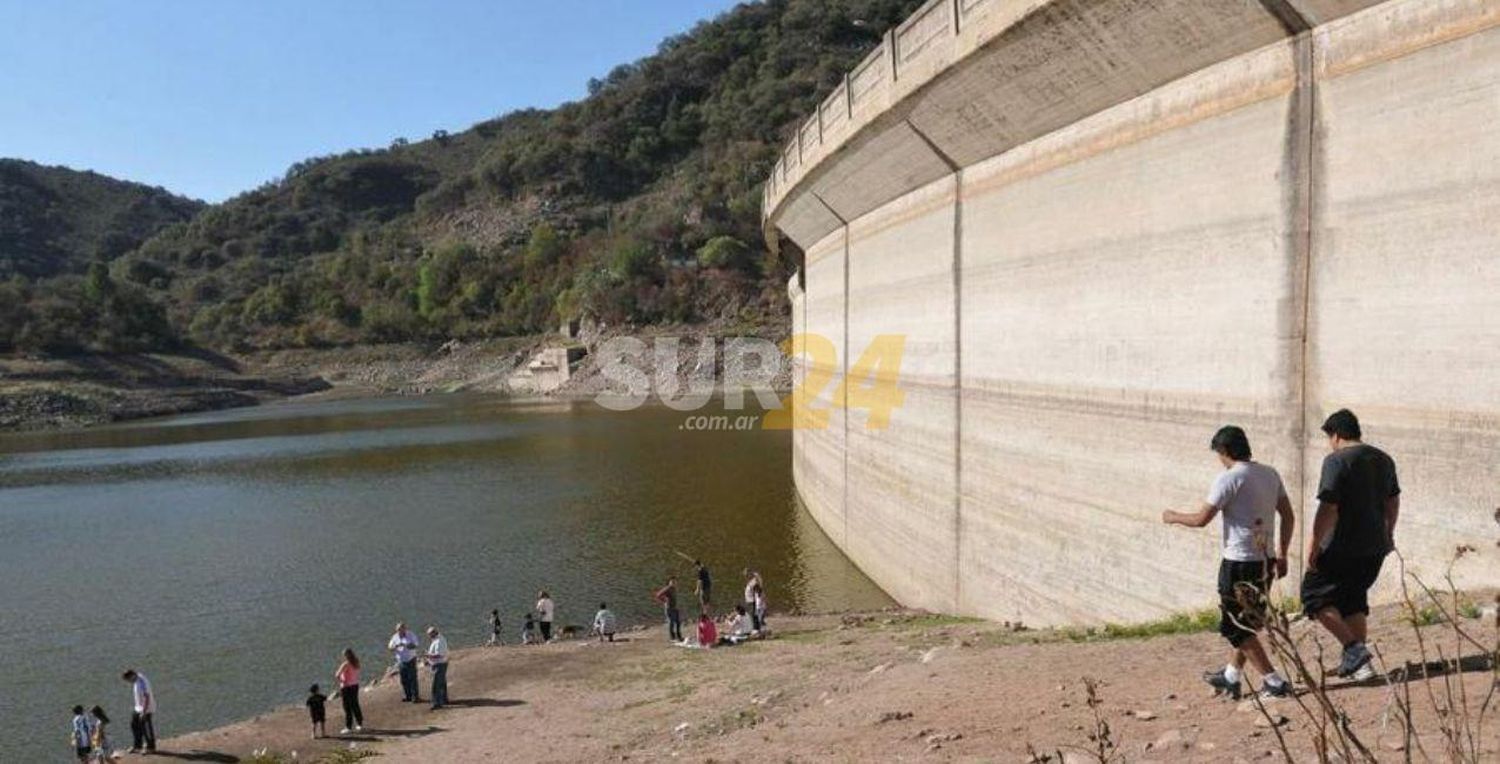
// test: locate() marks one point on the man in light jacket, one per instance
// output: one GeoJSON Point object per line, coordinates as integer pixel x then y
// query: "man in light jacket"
{"type": "Point", "coordinates": [437, 660]}
{"type": "Point", "coordinates": [404, 645]}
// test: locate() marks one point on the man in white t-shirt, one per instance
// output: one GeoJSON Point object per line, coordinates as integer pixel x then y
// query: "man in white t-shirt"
{"type": "Point", "coordinates": [404, 645]}
{"type": "Point", "coordinates": [437, 660]}
{"type": "Point", "coordinates": [143, 712]}
{"type": "Point", "coordinates": [545, 609]}
{"type": "Point", "coordinates": [1251, 497]}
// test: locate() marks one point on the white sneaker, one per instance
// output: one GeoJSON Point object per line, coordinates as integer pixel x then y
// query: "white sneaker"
{"type": "Point", "coordinates": [359, 728]}
{"type": "Point", "coordinates": [1365, 673]}
{"type": "Point", "coordinates": [344, 731]}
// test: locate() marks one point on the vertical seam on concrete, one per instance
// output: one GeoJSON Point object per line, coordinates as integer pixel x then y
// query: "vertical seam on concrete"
{"type": "Point", "coordinates": [844, 377]}
{"type": "Point", "coordinates": [958, 359]}
{"type": "Point", "coordinates": [1303, 182]}
{"type": "Point", "coordinates": [1307, 87]}
{"type": "Point", "coordinates": [958, 389]}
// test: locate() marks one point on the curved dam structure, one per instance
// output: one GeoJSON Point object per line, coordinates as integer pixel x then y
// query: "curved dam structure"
{"type": "Point", "coordinates": [1100, 229]}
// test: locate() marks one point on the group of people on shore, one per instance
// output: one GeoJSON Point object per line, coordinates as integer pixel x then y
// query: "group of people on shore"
{"type": "Point", "coordinates": [1352, 532]}
{"type": "Point", "coordinates": [90, 729]}
{"type": "Point", "coordinates": [746, 620]}
{"type": "Point", "coordinates": [406, 649]}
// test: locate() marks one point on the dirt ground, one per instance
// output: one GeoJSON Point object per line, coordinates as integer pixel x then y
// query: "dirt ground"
{"type": "Point", "coordinates": [883, 686]}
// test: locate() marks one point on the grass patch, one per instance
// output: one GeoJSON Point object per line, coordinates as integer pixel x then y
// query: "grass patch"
{"type": "Point", "coordinates": [1192, 622]}
{"type": "Point", "coordinates": [1424, 616]}
{"type": "Point", "coordinates": [679, 692]}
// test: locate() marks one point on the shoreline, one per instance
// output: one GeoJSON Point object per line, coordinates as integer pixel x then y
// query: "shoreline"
{"type": "Point", "coordinates": [893, 684]}
{"type": "Point", "coordinates": [88, 390]}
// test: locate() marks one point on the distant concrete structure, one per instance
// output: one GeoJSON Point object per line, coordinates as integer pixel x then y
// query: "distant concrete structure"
{"type": "Point", "coordinates": [1106, 228]}
{"type": "Point", "coordinates": [548, 370]}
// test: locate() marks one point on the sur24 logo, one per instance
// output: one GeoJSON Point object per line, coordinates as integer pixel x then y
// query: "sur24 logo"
{"type": "Point", "coordinates": [871, 384]}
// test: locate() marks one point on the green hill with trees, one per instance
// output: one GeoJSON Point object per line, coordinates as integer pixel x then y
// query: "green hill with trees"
{"type": "Point", "coordinates": [638, 204]}
{"type": "Point", "coordinates": [59, 230]}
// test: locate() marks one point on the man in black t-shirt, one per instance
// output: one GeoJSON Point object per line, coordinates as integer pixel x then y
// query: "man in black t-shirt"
{"type": "Point", "coordinates": [1359, 500]}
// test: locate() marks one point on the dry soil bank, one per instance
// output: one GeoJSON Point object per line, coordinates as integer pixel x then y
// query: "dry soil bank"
{"type": "Point", "coordinates": [874, 687]}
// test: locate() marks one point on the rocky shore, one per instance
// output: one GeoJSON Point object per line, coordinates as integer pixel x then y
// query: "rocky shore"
{"type": "Point", "coordinates": [86, 390]}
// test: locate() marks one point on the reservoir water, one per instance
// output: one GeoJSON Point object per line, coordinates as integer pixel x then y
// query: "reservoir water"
{"type": "Point", "coordinates": [230, 556]}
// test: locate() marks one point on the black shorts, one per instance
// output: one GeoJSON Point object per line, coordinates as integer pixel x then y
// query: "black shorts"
{"type": "Point", "coordinates": [318, 715]}
{"type": "Point", "coordinates": [1341, 582]}
{"type": "Point", "coordinates": [1242, 597]}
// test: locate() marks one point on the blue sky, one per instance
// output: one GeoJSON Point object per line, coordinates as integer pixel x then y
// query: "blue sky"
{"type": "Point", "coordinates": [213, 97]}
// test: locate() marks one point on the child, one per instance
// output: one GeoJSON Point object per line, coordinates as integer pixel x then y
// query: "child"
{"type": "Point", "coordinates": [708, 633]}
{"type": "Point", "coordinates": [495, 636]}
{"type": "Point", "coordinates": [317, 708]}
{"type": "Point", "coordinates": [99, 740]}
{"type": "Point", "coordinates": [82, 734]}
{"type": "Point", "coordinates": [528, 631]}
{"type": "Point", "coordinates": [604, 623]}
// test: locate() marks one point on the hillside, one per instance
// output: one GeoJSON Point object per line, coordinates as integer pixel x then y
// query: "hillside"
{"type": "Point", "coordinates": [59, 229]}
{"type": "Point", "coordinates": [638, 204]}
{"type": "Point", "coordinates": [55, 221]}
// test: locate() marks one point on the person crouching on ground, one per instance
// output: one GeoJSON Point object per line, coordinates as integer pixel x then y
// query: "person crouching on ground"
{"type": "Point", "coordinates": [437, 661]}
{"type": "Point", "coordinates": [1251, 496]}
{"type": "Point", "coordinates": [1359, 501]}
{"type": "Point", "coordinates": [528, 630]}
{"type": "Point", "coordinates": [604, 623]}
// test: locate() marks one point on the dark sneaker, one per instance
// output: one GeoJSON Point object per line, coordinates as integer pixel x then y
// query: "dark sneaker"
{"type": "Point", "coordinates": [1356, 657]}
{"type": "Point", "coordinates": [1221, 684]}
{"type": "Point", "coordinates": [1270, 691]}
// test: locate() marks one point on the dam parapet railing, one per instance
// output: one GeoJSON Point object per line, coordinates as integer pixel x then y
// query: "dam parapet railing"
{"type": "Point", "coordinates": [911, 54]}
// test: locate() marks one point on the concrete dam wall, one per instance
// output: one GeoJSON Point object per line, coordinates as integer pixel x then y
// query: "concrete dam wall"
{"type": "Point", "coordinates": [1105, 228]}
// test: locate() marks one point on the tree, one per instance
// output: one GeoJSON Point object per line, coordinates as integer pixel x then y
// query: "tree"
{"type": "Point", "coordinates": [727, 253]}
{"type": "Point", "coordinates": [544, 247]}
{"type": "Point", "coordinates": [97, 285]}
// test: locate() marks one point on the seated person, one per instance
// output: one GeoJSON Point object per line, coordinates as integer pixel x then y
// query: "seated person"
{"type": "Point", "coordinates": [708, 633]}
{"type": "Point", "coordinates": [739, 628]}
